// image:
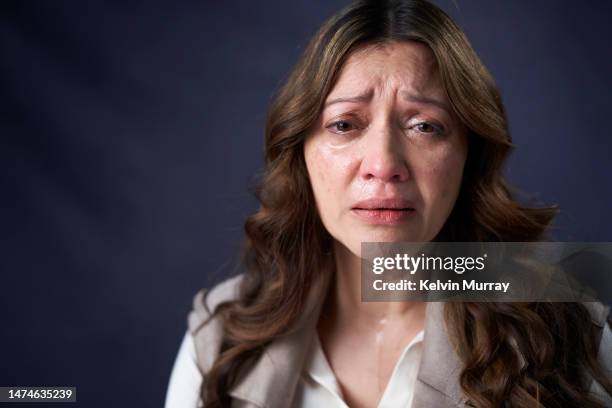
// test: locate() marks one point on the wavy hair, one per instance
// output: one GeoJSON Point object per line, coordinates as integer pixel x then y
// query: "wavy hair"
{"type": "Point", "coordinates": [286, 243]}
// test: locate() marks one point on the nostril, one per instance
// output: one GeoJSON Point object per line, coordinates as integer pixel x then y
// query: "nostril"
{"type": "Point", "coordinates": [376, 166]}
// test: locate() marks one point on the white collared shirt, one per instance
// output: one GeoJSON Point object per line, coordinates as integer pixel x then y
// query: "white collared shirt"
{"type": "Point", "coordinates": [319, 387]}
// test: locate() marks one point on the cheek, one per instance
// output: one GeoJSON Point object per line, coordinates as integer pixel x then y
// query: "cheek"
{"type": "Point", "coordinates": [328, 170]}
{"type": "Point", "coordinates": [440, 176]}
{"type": "Point", "coordinates": [318, 169]}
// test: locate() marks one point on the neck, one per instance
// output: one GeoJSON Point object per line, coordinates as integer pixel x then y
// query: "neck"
{"type": "Point", "coordinates": [345, 296]}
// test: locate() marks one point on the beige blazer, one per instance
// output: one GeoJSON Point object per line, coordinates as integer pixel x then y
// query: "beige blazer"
{"type": "Point", "coordinates": [272, 381]}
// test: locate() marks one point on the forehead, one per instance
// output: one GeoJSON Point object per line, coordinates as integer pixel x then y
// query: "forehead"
{"type": "Point", "coordinates": [408, 65]}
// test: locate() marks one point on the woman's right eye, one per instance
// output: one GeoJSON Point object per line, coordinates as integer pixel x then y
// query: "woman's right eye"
{"type": "Point", "coordinates": [341, 126]}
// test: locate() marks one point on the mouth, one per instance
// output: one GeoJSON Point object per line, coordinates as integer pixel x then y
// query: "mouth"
{"type": "Point", "coordinates": [384, 211]}
{"type": "Point", "coordinates": [387, 216]}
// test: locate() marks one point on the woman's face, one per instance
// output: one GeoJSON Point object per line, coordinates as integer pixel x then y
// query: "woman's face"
{"type": "Point", "coordinates": [386, 157]}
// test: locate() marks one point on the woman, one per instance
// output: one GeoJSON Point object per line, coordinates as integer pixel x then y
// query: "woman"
{"type": "Point", "coordinates": [388, 129]}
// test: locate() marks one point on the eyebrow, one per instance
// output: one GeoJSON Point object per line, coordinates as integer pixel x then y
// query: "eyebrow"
{"type": "Point", "coordinates": [358, 98]}
{"type": "Point", "coordinates": [408, 96]}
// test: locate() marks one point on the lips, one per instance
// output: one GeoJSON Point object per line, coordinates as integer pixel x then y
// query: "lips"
{"type": "Point", "coordinates": [386, 211]}
{"type": "Point", "coordinates": [384, 204]}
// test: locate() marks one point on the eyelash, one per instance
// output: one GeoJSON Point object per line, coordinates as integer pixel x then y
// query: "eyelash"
{"type": "Point", "coordinates": [337, 122]}
{"type": "Point", "coordinates": [438, 129]}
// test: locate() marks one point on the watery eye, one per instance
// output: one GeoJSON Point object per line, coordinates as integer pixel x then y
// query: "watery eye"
{"type": "Point", "coordinates": [426, 127]}
{"type": "Point", "coordinates": [341, 126]}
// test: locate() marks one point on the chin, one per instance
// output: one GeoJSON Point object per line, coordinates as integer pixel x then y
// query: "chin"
{"type": "Point", "coordinates": [355, 245]}
{"type": "Point", "coordinates": [391, 235]}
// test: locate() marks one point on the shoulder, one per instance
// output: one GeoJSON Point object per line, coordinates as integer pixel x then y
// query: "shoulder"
{"type": "Point", "coordinates": [204, 326]}
{"type": "Point", "coordinates": [185, 379]}
{"type": "Point", "coordinates": [200, 345]}
{"type": "Point", "coordinates": [605, 348]}
{"type": "Point", "coordinates": [600, 314]}
{"type": "Point", "coordinates": [206, 301]}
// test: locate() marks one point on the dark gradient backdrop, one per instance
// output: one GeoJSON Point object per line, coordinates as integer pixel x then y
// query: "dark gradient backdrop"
{"type": "Point", "coordinates": [130, 133]}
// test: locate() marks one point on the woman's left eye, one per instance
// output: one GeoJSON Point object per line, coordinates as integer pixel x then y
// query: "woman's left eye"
{"type": "Point", "coordinates": [427, 127]}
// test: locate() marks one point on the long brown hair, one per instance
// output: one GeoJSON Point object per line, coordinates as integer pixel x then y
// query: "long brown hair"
{"type": "Point", "coordinates": [286, 242]}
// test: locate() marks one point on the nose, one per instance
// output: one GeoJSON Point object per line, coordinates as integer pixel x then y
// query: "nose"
{"type": "Point", "coordinates": [384, 155]}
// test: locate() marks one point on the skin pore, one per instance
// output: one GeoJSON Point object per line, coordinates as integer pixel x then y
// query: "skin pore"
{"type": "Point", "coordinates": [385, 161]}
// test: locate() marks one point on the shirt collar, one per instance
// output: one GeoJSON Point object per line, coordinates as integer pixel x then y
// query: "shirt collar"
{"type": "Point", "coordinates": [319, 369]}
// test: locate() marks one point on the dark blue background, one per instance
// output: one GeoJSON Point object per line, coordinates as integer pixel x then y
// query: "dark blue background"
{"type": "Point", "coordinates": [131, 131]}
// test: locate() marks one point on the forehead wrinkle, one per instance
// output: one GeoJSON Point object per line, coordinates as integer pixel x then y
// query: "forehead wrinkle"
{"type": "Point", "coordinates": [374, 61]}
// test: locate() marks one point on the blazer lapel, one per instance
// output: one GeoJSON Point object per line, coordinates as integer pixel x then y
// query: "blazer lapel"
{"type": "Point", "coordinates": [272, 382]}
{"type": "Point", "coordinates": [438, 377]}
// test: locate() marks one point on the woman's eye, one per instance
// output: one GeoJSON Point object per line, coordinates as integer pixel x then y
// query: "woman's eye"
{"type": "Point", "coordinates": [426, 127]}
{"type": "Point", "coordinates": [341, 126]}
